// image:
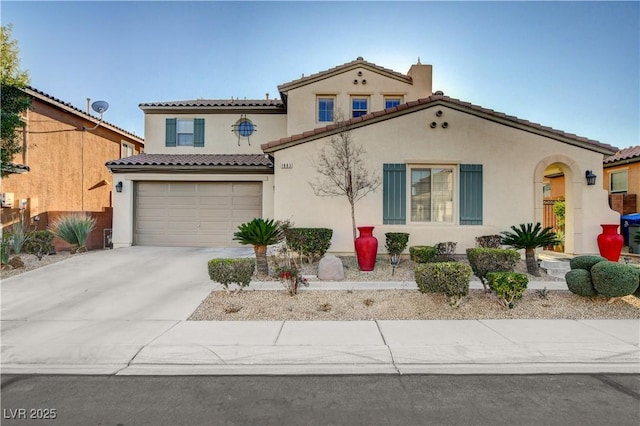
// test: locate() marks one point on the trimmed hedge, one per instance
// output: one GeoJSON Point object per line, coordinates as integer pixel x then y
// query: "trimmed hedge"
{"type": "Point", "coordinates": [232, 271]}
{"type": "Point", "coordinates": [613, 279]}
{"type": "Point", "coordinates": [422, 254]}
{"type": "Point", "coordinates": [450, 278]}
{"type": "Point", "coordinates": [579, 282]}
{"type": "Point", "coordinates": [396, 242]}
{"type": "Point", "coordinates": [508, 286]}
{"type": "Point", "coordinates": [310, 242]}
{"type": "Point", "coordinates": [585, 262]}
{"type": "Point", "coordinates": [489, 241]}
{"type": "Point", "coordinates": [485, 260]}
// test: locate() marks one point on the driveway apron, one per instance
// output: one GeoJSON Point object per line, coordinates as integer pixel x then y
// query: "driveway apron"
{"type": "Point", "coordinates": [99, 309]}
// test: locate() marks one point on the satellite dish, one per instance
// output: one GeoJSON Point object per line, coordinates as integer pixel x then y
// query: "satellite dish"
{"type": "Point", "coordinates": [100, 106]}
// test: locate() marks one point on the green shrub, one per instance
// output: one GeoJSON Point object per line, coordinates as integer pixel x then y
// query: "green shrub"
{"type": "Point", "coordinates": [613, 279]}
{"type": "Point", "coordinates": [39, 243]}
{"type": "Point", "coordinates": [485, 260]}
{"type": "Point", "coordinates": [5, 249]}
{"type": "Point", "coordinates": [445, 251]}
{"type": "Point", "coordinates": [232, 271]}
{"type": "Point", "coordinates": [450, 278]}
{"type": "Point", "coordinates": [585, 262]}
{"type": "Point", "coordinates": [74, 229]}
{"type": "Point", "coordinates": [489, 241]}
{"type": "Point", "coordinates": [310, 242]}
{"type": "Point", "coordinates": [579, 282]}
{"type": "Point", "coordinates": [422, 254]}
{"type": "Point", "coordinates": [508, 286]}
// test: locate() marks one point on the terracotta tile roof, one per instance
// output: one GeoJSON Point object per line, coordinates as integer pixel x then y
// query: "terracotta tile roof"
{"type": "Point", "coordinates": [208, 160]}
{"type": "Point", "coordinates": [66, 105]}
{"type": "Point", "coordinates": [209, 103]}
{"type": "Point", "coordinates": [359, 62]}
{"type": "Point", "coordinates": [631, 154]}
{"type": "Point", "coordinates": [439, 99]}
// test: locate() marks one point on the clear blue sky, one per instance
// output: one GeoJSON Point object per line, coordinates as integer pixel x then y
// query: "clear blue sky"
{"type": "Point", "coordinates": [573, 66]}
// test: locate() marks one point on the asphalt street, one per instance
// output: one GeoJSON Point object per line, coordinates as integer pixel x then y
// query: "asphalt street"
{"type": "Point", "coordinates": [579, 399]}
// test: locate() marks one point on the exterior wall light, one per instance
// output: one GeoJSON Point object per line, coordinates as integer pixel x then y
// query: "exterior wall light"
{"type": "Point", "coordinates": [119, 186]}
{"type": "Point", "coordinates": [591, 177]}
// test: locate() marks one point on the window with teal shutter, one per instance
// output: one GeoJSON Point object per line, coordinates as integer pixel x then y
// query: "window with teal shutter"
{"type": "Point", "coordinates": [394, 194]}
{"type": "Point", "coordinates": [171, 131]}
{"type": "Point", "coordinates": [471, 194]}
{"type": "Point", "coordinates": [198, 132]}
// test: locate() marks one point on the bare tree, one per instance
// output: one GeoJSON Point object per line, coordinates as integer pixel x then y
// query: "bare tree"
{"type": "Point", "coordinates": [341, 164]}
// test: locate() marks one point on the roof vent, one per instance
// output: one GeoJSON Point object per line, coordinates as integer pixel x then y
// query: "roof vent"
{"type": "Point", "coordinates": [359, 58]}
{"type": "Point", "coordinates": [439, 93]}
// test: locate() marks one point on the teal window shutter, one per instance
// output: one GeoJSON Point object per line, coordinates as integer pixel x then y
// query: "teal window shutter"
{"type": "Point", "coordinates": [198, 132]}
{"type": "Point", "coordinates": [394, 194]}
{"type": "Point", "coordinates": [170, 139]}
{"type": "Point", "coordinates": [471, 194]}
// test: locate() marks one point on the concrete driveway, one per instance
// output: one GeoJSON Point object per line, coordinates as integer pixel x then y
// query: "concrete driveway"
{"type": "Point", "coordinates": [99, 307]}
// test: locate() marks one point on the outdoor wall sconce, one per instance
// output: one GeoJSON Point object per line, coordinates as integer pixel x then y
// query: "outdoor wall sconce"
{"type": "Point", "coordinates": [591, 177]}
{"type": "Point", "coordinates": [119, 186]}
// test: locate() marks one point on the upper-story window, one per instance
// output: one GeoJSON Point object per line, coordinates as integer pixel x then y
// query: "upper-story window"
{"type": "Point", "coordinates": [618, 181]}
{"type": "Point", "coordinates": [392, 101]}
{"type": "Point", "coordinates": [359, 106]}
{"type": "Point", "coordinates": [326, 105]}
{"type": "Point", "coordinates": [185, 132]}
{"type": "Point", "coordinates": [126, 149]}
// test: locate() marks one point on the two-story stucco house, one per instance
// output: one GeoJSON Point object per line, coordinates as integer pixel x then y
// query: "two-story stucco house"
{"type": "Point", "coordinates": [450, 170]}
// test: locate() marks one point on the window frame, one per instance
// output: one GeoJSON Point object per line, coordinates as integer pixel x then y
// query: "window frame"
{"type": "Point", "coordinates": [319, 110]}
{"type": "Point", "coordinates": [124, 145]}
{"type": "Point", "coordinates": [626, 187]}
{"type": "Point", "coordinates": [388, 98]}
{"type": "Point", "coordinates": [178, 132]}
{"type": "Point", "coordinates": [360, 111]}
{"type": "Point", "coordinates": [453, 168]}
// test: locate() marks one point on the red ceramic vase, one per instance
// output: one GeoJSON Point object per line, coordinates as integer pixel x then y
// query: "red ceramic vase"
{"type": "Point", "coordinates": [366, 248]}
{"type": "Point", "coordinates": [610, 242]}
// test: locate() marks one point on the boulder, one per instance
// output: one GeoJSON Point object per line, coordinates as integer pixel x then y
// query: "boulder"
{"type": "Point", "coordinates": [330, 268]}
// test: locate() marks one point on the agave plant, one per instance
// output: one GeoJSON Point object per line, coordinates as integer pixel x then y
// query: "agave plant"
{"type": "Point", "coordinates": [74, 229]}
{"type": "Point", "coordinates": [529, 237]}
{"type": "Point", "coordinates": [259, 233]}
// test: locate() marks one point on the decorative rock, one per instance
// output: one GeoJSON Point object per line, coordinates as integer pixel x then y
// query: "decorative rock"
{"type": "Point", "coordinates": [16, 262]}
{"type": "Point", "coordinates": [330, 268]}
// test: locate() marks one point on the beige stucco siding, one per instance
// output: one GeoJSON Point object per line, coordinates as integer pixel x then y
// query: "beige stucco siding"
{"type": "Point", "coordinates": [302, 105]}
{"type": "Point", "coordinates": [219, 137]}
{"type": "Point", "coordinates": [511, 160]}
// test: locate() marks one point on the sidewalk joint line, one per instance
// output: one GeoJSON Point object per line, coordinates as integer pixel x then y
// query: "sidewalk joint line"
{"type": "Point", "coordinates": [275, 342]}
{"type": "Point", "coordinates": [393, 360]}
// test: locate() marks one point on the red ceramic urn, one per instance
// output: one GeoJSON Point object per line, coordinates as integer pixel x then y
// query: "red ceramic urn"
{"type": "Point", "coordinates": [610, 242]}
{"type": "Point", "coordinates": [366, 248]}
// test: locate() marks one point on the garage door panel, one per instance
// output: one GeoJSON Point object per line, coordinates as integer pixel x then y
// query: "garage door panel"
{"type": "Point", "coordinates": [194, 213]}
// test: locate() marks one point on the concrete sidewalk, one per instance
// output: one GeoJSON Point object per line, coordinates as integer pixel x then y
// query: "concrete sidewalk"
{"type": "Point", "coordinates": [340, 347]}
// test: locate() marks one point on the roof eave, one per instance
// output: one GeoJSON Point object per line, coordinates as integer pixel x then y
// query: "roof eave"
{"type": "Point", "coordinates": [154, 168]}
{"type": "Point", "coordinates": [271, 109]}
{"type": "Point", "coordinates": [622, 162]}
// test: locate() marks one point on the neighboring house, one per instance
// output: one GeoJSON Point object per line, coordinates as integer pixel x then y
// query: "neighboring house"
{"type": "Point", "coordinates": [61, 169]}
{"type": "Point", "coordinates": [451, 170]}
{"type": "Point", "coordinates": [622, 179]}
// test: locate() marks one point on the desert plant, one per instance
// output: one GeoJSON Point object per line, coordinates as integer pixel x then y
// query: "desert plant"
{"type": "Point", "coordinates": [396, 243]}
{"type": "Point", "coordinates": [485, 260]}
{"type": "Point", "coordinates": [74, 229]}
{"type": "Point", "coordinates": [19, 236]}
{"type": "Point", "coordinates": [231, 271]}
{"type": "Point", "coordinates": [312, 243]}
{"type": "Point", "coordinates": [489, 241]}
{"type": "Point", "coordinates": [508, 286]}
{"type": "Point", "coordinates": [613, 279]}
{"type": "Point", "coordinates": [579, 282]}
{"type": "Point", "coordinates": [585, 262]}
{"type": "Point", "coordinates": [529, 237]}
{"type": "Point", "coordinates": [445, 251]}
{"type": "Point", "coordinates": [259, 233]}
{"type": "Point", "coordinates": [422, 254]}
{"type": "Point", "coordinates": [291, 278]}
{"type": "Point", "coordinates": [39, 243]}
{"type": "Point", "coordinates": [450, 278]}
{"type": "Point", "coordinates": [5, 249]}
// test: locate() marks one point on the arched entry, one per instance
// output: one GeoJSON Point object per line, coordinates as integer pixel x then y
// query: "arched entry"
{"type": "Point", "coordinates": [566, 172]}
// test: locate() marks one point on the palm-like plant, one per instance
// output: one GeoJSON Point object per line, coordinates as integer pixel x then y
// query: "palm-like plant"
{"type": "Point", "coordinates": [74, 229]}
{"type": "Point", "coordinates": [529, 237]}
{"type": "Point", "coordinates": [259, 233]}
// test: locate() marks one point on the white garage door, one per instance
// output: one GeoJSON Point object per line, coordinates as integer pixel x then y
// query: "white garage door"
{"type": "Point", "coordinates": [194, 214]}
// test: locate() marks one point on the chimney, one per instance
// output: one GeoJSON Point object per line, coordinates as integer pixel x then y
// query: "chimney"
{"type": "Point", "coordinates": [422, 79]}
{"type": "Point", "coordinates": [267, 95]}
{"type": "Point", "coordinates": [88, 105]}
